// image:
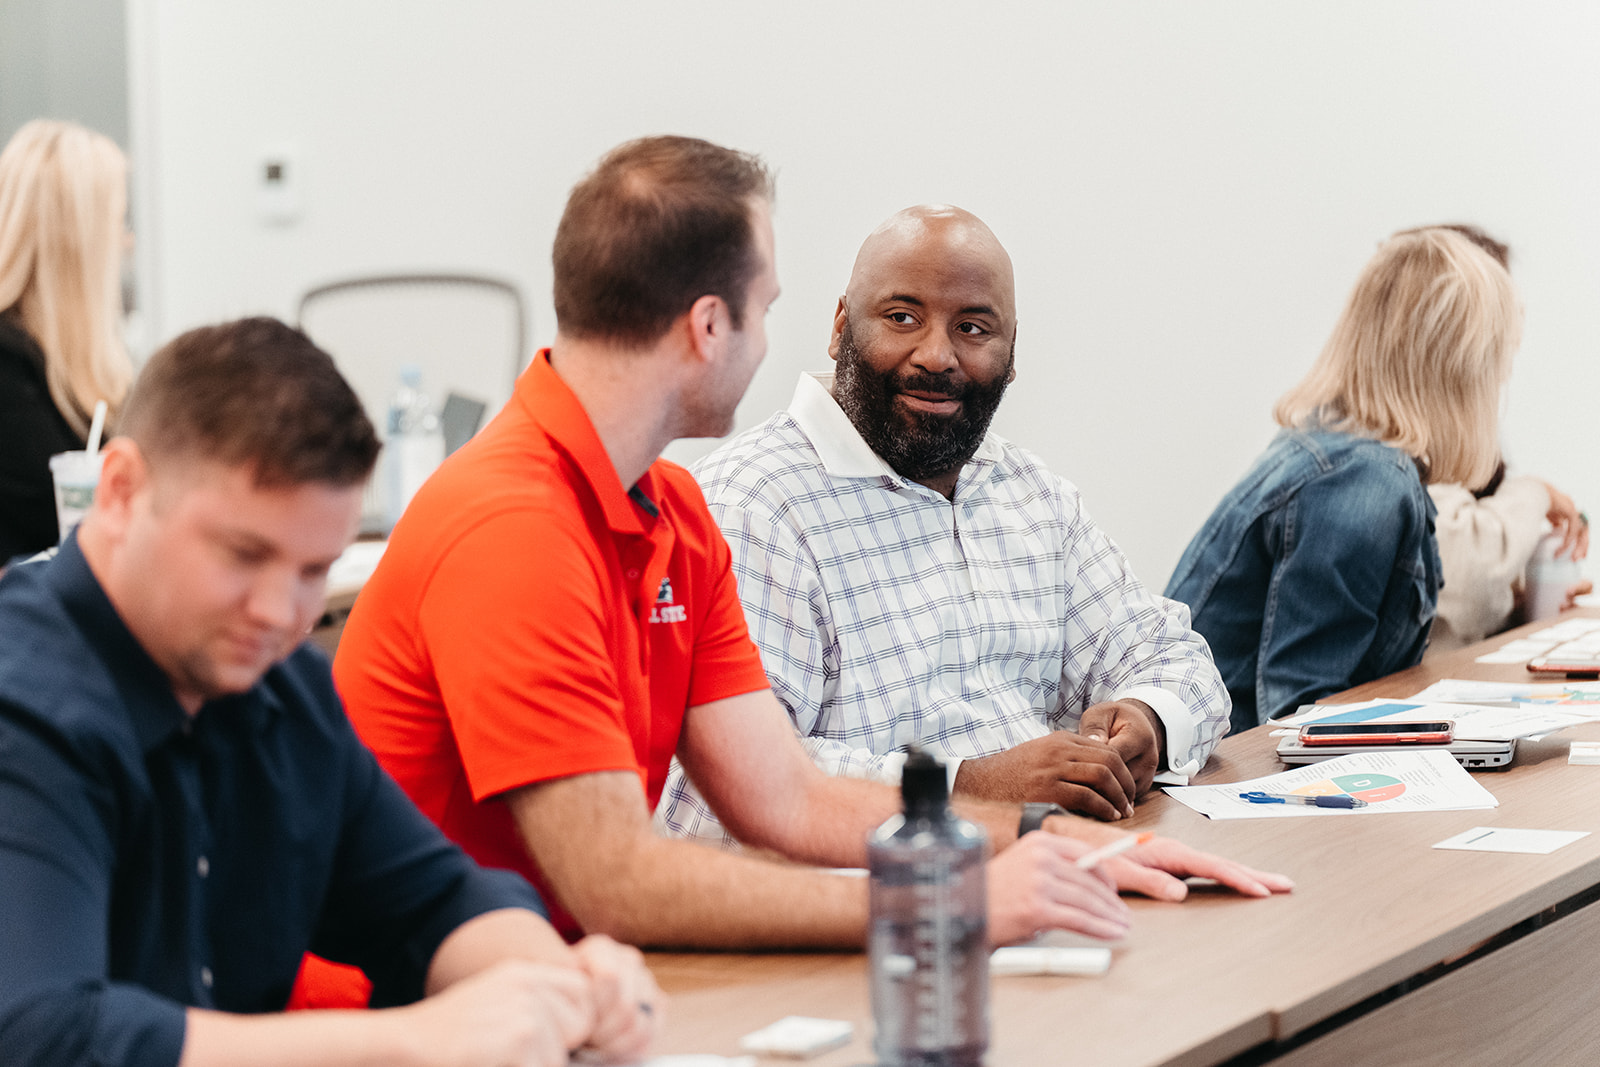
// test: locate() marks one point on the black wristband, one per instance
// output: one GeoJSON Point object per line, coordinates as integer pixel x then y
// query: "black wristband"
{"type": "Point", "coordinates": [1034, 815]}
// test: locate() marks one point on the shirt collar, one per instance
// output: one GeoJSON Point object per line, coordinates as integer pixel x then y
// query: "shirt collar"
{"type": "Point", "coordinates": [153, 711]}
{"type": "Point", "coordinates": [840, 446]}
{"type": "Point", "coordinates": [551, 404]}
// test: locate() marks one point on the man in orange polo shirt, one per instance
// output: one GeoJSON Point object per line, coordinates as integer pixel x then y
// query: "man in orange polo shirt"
{"type": "Point", "coordinates": [555, 617]}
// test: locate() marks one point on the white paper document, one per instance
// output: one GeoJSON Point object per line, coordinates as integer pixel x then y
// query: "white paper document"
{"type": "Point", "coordinates": [1474, 722]}
{"type": "Point", "coordinates": [1567, 630]}
{"type": "Point", "coordinates": [1386, 781]}
{"type": "Point", "coordinates": [356, 564]}
{"type": "Point", "coordinates": [1504, 839]}
{"type": "Point", "coordinates": [1517, 651]}
{"type": "Point", "coordinates": [1540, 641]}
{"type": "Point", "coordinates": [1571, 696]}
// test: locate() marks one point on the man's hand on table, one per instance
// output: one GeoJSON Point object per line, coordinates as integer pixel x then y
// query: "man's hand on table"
{"type": "Point", "coordinates": [1133, 731]}
{"type": "Point", "coordinates": [514, 1012]}
{"type": "Point", "coordinates": [1035, 885]}
{"type": "Point", "coordinates": [1059, 768]}
{"type": "Point", "coordinates": [522, 1012]}
{"type": "Point", "coordinates": [628, 1005]}
{"type": "Point", "coordinates": [1099, 771]}
{"type": "Point", "coordinates": [1156, 869]}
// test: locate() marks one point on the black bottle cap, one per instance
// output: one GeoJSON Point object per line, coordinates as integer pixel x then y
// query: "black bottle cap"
{"type": "Point", "coordinates": [923, 786]}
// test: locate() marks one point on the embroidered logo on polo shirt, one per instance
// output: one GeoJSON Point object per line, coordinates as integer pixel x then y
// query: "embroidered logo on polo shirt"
{"type": "Point", "coordinates": [665, 610]}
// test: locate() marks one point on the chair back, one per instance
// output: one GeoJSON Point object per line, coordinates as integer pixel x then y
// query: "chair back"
{"type": "Point", "coordinates": [467, 332]}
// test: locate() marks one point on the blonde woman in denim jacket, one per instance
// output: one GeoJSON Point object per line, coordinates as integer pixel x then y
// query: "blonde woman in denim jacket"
{"type": "Point", "coordinates": [1320, 569]}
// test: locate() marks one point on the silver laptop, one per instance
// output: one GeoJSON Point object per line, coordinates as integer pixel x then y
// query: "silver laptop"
{"type": "Point", "coordinates": [1473, 755]}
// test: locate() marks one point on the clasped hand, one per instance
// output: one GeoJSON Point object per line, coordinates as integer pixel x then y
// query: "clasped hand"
{"type": "Point", "coordinates": [1100, 770]}
{"type": "Point", "coordinates": [534, 1014]}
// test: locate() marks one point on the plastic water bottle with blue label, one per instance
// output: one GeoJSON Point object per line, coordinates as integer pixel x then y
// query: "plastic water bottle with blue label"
{"type": "Point", "coordinates": [929, 941]}
{"type": "Point", "coordinates": [413, 444]}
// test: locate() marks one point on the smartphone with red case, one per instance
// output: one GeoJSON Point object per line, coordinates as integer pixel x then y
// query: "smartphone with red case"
{"type": "Point", "coordinates": [1567, 666]}
{"type": "Point", "coordinates": [1435, 732]}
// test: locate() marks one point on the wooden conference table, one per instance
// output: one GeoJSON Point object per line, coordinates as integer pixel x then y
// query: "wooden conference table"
{"type": "Point", "coordinates": [1388, 952]}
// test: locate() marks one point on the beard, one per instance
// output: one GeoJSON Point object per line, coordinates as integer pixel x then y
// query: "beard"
{"type": "Point", "coordinates": [917, 444]}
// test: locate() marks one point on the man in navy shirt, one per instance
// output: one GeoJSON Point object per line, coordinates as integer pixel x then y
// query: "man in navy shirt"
{"type": "Point", "coordinates": [185, 811]}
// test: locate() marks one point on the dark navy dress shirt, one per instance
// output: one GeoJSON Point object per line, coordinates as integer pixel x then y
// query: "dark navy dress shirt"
{"type": "Point", "coordinates": [150, 861]}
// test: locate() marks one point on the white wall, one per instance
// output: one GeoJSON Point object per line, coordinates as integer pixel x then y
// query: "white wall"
{"type": "Point", "coordinates": [1187, 189]}
{"type": "Point", "coordinates": [64, 59]}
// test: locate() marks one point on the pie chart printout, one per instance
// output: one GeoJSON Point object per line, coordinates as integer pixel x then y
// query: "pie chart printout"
{"type": "Point", "coordinates": [1373, 788]}
{"type": "Point", "coordinates": [1375, 781]}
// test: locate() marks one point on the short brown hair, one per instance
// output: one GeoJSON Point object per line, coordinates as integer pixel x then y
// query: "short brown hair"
{"type": "Point", "coordinates": [253, 393]}
{"type": "Point", "coordinates": [660, 223]}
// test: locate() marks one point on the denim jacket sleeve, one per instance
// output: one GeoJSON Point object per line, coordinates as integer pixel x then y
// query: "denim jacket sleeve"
{"type": "Point", "coordinates": [1342, 541]}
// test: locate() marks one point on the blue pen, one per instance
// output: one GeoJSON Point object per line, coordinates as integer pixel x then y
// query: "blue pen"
{"type": "Point", "coordinates": [1337, 800]}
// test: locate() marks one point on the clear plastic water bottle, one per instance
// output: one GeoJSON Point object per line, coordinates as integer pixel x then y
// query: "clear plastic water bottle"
{"type": "Point", "coordinates": [929, 940]}
{"type": "Point", "coordinates": [1548, 578]}
{"type": "Point", "coordinates": [413, 445]}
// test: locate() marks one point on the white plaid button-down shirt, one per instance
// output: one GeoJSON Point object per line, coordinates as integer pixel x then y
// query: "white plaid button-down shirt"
{"type": "Point", "coordinates": [886, 614]}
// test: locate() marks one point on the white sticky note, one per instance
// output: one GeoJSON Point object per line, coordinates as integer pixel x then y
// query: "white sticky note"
{"type": "Point", "coordinates": [798, 1036]}
{"type": "Point", "coordinates": [1585, 753]}
{"type": "Point", "coordinates": [1503, 839]}
{"type": "Point", "coordinates": [1050, 959]}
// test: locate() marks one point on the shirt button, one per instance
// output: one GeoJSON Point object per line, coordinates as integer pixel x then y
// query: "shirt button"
{"type": "Point", "coordinates": [633, 573]}
{"type": "Point", "coordinates": [202, 866]}
{"type": "Point", "coordinates": [205, 977]}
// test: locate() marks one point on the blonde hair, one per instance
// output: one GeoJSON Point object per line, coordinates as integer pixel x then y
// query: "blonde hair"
{"type": "Point", "coordinates": [63, 212]}
{"type": "Point", "coordinates": [1419, 356]}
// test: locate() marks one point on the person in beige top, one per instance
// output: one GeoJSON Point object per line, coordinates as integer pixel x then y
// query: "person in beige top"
{"type": "Point", "coordinates": [1485, 543]}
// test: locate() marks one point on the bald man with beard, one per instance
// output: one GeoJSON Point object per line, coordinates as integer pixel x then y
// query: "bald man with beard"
{"type": "Point", "coordinates": [911, 577]}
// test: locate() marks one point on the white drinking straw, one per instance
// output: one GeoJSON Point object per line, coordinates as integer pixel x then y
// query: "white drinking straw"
{"type": "Point", "coordinates": [96, 427]}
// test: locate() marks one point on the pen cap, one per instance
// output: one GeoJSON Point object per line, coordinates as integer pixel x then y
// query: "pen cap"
{"type": "Point", "coordinates": [923, 787]}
